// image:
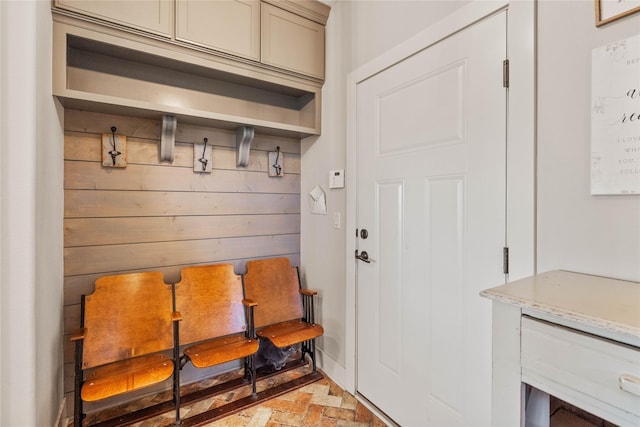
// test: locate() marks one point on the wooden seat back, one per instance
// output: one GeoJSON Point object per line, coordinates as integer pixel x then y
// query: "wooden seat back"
{"type": "Point", "coordinates": [274, 285]}
{"type": "Point", "coordinates": [127, 315]}
{"type": "Point", "coordinates": [210, 300]}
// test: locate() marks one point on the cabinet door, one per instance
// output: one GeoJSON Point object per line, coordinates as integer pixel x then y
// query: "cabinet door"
{"type": "Point", "coordinates": [292, 42]}
{"type": "Point", "coordinates": [231, 26]}
{"type": "Point", "coordinates": [153, 16]}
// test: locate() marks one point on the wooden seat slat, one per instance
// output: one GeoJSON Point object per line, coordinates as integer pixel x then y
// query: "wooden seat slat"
{"type": "Point", "coordinates": [292, 332]}
{"type": "Point", "coordinates": [221, 350]}
{"type": "Point", "coordinates": [126, 376]}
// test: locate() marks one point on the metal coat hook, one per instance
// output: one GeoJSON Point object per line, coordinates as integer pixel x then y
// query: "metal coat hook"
{"type": "Point", "coordinates": [203, 160]}
{"type": "Point", "coordinates": [276, 165]}
{"type": "Point", "coordinates": [114, 153]}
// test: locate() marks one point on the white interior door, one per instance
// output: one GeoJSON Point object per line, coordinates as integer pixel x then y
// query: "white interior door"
{"type": "Point", "coordinates": [431, 150]}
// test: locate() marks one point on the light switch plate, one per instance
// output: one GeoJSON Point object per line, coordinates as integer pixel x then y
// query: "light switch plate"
{"type": "Point", "coordinates": [336, 220]}
{"type": "Point", "coordinates": [336, 179]}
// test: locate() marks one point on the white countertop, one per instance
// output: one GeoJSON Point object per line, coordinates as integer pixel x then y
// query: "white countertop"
{"type": "Point", "coordinates": [600, 305]}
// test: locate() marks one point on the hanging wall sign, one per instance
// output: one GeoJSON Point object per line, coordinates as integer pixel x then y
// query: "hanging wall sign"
{"type": "Point", "coordinates": [615, 118]}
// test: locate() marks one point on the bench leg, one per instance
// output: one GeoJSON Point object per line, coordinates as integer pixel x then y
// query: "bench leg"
{"type": "Point", "coordinates": [78, 415]}
{"type": "Point", "coordinates": [309, 347]}
{"type": "Point", "coordinates": [77, 410]}
{"type": "Point", "coordinates": [177, 366]}
{"type": "Point", "coordinates": [77, 402]}
{"type": "Point", "coordinates": [176, 392]}
{"type": "Point", "coordinates": [250, 372]}
{"type": "Point", "coordinates": [253, 374]}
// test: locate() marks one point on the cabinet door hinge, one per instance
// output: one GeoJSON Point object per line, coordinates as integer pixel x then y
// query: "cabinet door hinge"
{"type": "Point", "coordinates": [505, 260]}
{"type": "Point", "coordinates": [505, 73]}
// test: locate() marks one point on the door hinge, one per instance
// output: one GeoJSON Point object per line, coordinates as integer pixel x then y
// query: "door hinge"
{"type": "Point", "coordinates": [505, 260]}
{"type": "Point", "coordinates": [505, 73]}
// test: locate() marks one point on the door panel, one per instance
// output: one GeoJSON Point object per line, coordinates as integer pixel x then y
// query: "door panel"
{"type": "Point", "coordinates": [390, 300]}
{"type": "Point", "coordinates": [402, 128]}
{"type": "Point", "coordinates": [431, 190]}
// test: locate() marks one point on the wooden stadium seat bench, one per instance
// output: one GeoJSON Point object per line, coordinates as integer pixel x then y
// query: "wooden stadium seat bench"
{"type": "Point", "coordinates": [137, 331]}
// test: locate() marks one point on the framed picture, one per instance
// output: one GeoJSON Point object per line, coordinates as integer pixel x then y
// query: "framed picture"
{"type": "Point", "coordinates": [610, 10]}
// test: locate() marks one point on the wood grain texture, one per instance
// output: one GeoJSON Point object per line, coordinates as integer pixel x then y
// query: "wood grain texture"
{"type": "Point", "coordinates": [128, 315]}
{"type": "Point", "coordinates": [284, 334]}
{"type": "Point", "coordinates": [92, 176]}
{"type": "Point", "coordinates": [85, 260]}
{"type": "Point", "coordinates": [161, 216]}
{"type": "Point", "coordinates": [273, 284]}
{"type": "Point", "coordinates": [210, 298]}
{"type": "Point", "coordinates": [100, 231]}
{"type": "Point", "coordinates": [108, 203]}
{"type": "Point", "coordinates": [125, 376]}
{"type": "Point", "coordinates": [76, 286]}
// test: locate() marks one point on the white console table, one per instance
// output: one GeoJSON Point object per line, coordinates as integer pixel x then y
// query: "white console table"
{"type": "Point", "coordinates": [573, 336]}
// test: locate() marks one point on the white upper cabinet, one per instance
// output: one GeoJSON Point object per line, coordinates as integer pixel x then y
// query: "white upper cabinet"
{"type": "Point", "coordinates": [154, 16]}
{"type": "Point", "coordinates": [292, 42]}
{"type": "Point", "coordinates": [230, 26]}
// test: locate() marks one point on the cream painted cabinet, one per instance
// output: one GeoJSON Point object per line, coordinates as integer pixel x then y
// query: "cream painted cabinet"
{"type": "Point", "coordinates": [211, 63]}
{"type": "Point", "coordinates": [230, 26]}
{"type": "Point", "coordinates": [292, 42]}
{"type": "Point", "coordinates": [154, 16]}
{"type": "Point", "coordinates": [284, 35]}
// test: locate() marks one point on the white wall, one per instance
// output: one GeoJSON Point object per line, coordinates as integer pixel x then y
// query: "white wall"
{"type": "Point", "coordinates": [31, 220]}
{"type": "Point", "coordinates": [375, 27]}
{"type": "Point", "coordinates": [576, 231]}
{"type": "Point", "coordinates": [322, 247]}
{"type": "Point", "coordinates": [49, 228]}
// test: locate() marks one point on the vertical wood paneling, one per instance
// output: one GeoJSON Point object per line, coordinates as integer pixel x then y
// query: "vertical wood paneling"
{"type": "Point", "coordinates": [161, 216]}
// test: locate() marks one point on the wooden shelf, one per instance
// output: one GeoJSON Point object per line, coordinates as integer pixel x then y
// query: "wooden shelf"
{"type": "Point", "coordinates": [102, 71]}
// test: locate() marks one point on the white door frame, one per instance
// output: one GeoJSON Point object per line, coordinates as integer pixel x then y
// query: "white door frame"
{"type": "Point", "coordinates": [520, 136]}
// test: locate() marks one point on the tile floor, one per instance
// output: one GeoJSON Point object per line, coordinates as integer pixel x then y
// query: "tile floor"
{"type": "Point", "coordinates": [322, 403]}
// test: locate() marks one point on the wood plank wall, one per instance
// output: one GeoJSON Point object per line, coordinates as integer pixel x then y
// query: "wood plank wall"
{"type": "Point", "coordinates": [161, 216]}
